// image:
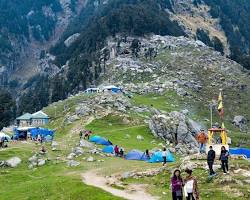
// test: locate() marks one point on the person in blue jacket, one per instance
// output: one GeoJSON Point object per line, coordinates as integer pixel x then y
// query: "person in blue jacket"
{"type": "Point", "coordinates": [224, 155]}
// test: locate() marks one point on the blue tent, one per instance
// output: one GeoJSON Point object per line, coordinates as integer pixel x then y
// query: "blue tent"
{"type": "Point", "coordinates": [108, 149]}
{"type": "Point", "coordinates": [136, 155]}
{"type": "Point", "coordinates": [94, 138]}
{"type": "Point", "coordinates": [103, 141]}
{"type": "Point", "coordinates": [157, 157]}
{"type": "Point", "coordinates": [240, 151]}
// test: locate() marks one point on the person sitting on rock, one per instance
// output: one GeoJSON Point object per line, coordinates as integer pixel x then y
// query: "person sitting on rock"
{"type": "Point", "coordinates": [202, 140]}
{"type": "Point", "coordinates": [121, 152]}
{"type": "Point", "coordinates": [43, 150]}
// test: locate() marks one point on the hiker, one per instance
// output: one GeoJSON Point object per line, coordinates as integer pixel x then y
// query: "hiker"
{"type": "Point", "coordinates": [87, 134]}
{"type": "Point", "coordinates": [80, 135]}
{"type": "Point", "coordinates": [224, 159]}
{"type": "Point", "coordinates": [210, 160]}
{"type": "Point", "coordinates": [202, 139]}
{"type": "Point", "coordinates": [121, 152]}
{"type": "Point", "coordinates": [190, 187]}
{"type": "Point", "coordinates": [176, 185]}
{"type": "Point", "coordinates": [116, 149]}
{"type": "Point", "coordinates": [147, 154]}
{"type": "Point", "coordinates": [164, 156]}
{"type": "Point", "coordinates": [43, 150]}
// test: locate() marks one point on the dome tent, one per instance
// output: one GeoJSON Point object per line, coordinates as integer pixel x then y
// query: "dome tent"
{"type": "Point", "coordinates": [99, 140]}
{"type": "Point", "coordinates": [108, 149]}
{"type": "Point", "coordinates": [157, 157]}
{"type": "Point", "coordinates": [94, 138]}
{"type": "Point", "coordinates": [136, 155]}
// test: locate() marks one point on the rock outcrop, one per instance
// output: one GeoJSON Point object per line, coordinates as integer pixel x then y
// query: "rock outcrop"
{"type": "Point", "coordinates": [176, 128]}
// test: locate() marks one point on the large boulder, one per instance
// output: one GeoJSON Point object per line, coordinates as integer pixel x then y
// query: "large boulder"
{"type": "Point", "coordinates": [13, 162]}
{"type": "Point", "coordinates": [240, 121]}
{"type": "Point", "coordinates": [176, 128]}
{"type": "Point", "coordinates": [78, 151]}
{"type": "Point", "coordinates": [73, 163]}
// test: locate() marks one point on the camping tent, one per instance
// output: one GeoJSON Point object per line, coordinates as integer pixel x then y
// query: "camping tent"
{"type": "Point", "coordinates": [3, 135]}
{"type": "Point", "coordinates": [136, 155]}
{"type": "Point", "coordinates": [103, 141]}
{"type": "Point", "coordinates": [94, 138]}
{"type": "Point", "coordinates": [99, 140]}
{"type": "Point", "coordinates": [240, 151]}
{"type": "Point", "coordinates": [108, 149]}
{"type": "Point", "coordinates": [157, 157]}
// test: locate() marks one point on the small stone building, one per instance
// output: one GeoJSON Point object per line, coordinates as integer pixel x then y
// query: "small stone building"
{"type": "Point", "coordinates": [36, 119]}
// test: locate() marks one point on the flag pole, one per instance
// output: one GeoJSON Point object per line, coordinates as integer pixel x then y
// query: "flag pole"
{"type": "Point", "coordinates": [211, 115]}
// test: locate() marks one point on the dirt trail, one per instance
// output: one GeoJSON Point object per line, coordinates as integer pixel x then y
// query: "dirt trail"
{"type": "Point", "coordinates": [93, 179]}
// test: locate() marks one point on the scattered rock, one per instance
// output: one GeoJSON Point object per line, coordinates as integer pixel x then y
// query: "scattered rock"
{"type": "Point", "coordinates": [73, 163]}
{"type": "Point", "coordinates": [78, 151]}
{"type": "Point", "coordinates": [90, 159]}
{"type": "Point", "coordinates": [139, 137]}
{"type": "Point", "coordinates": [13, 162]}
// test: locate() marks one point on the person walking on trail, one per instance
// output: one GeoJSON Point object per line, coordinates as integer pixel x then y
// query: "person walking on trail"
{"type": "Point", "coordinates": [176, 185]}
{"type": "Point", "coordinates": [116, 150]}
{"type": "Point", "coordinates": [210, 160]}
{"type": "Point", "coordinates": [202, 140]}
{"type": "Point", "coordinates": [224, 155]}
{"type": "Point", "coordinates": [190, 186]}
{"type": "Point", "coordinates": [164, 156]}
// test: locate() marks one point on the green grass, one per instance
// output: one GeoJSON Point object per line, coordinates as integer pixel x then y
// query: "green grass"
{"type": "Point", "coordinates": [113, 128]}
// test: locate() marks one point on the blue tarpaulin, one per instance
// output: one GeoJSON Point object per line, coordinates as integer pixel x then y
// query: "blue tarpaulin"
{"type": "Point", "coordinates": [34, 132]}
{"type": "Point", "coordinates": [240, 151]}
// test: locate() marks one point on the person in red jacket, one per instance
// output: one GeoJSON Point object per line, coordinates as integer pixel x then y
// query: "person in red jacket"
{"type": "Point", "coordinates": [116, 150]}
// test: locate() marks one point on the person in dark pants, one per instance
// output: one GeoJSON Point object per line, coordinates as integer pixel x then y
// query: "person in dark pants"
{"type": "Point", "coordinates": [176, 185]}
{"type": "Point", "coordinates": [224, 159]}
{"type": "Point", "coordinates": [210, 160]}
{"type": "Point", "coordinates": [164, 156]}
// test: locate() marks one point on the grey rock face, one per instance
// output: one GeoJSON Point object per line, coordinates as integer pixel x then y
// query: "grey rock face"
{"type": "Point", "coordinates": [176, 128]}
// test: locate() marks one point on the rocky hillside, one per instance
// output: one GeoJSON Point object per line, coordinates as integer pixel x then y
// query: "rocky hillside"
{"type": "Point", "coordinates": [64, 49]}
{"type": "Point", "coordinates": [27, 32]}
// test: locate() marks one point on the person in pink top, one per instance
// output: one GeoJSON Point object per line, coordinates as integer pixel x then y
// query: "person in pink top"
{"type": "Point", "coordinates": [176, 185]}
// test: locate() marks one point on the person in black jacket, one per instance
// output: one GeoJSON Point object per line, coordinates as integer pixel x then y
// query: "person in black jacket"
{"type": "Point", "coordinates": [210, 160]}
{"type": "Point", "coordinates": [224, 159]}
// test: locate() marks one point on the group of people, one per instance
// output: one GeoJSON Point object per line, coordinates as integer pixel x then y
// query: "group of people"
{"type": "Point", "coordinates": [184, 187]}
{"type": "Point", "coordinates": [85, 134]}
{"type": "Point", "coordinates": [119, 151]}
{"type": "Point", "coordinates": [224, 156]}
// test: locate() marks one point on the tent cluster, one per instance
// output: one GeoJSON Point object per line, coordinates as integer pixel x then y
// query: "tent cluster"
{"type": "Point", "coordinates": [156, 156]}
{"type": "Point", "coordinates": [22, 133]}
{"type": "Point", "coordinates": [133, 154]}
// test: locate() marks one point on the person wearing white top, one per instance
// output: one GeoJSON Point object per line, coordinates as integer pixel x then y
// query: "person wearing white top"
{"type": "Point", "coordinates": [164, 156]}
{"type": "Point", "coordinates": [191, 187]}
